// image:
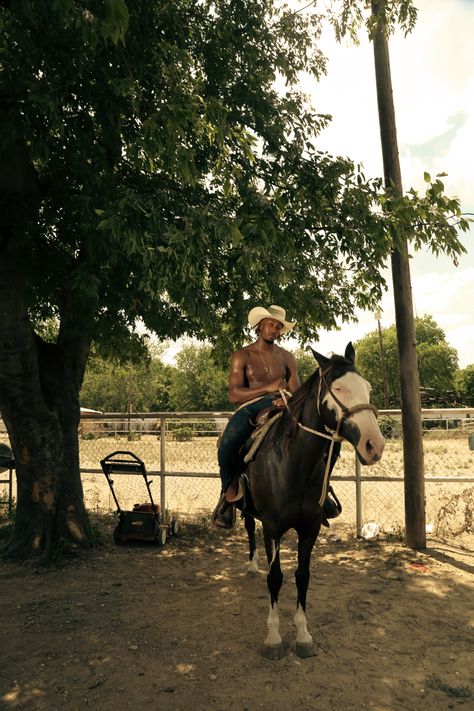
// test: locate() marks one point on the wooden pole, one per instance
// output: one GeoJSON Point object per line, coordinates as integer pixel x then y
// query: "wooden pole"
{"type": "Point", "coordinates": [415, 528]}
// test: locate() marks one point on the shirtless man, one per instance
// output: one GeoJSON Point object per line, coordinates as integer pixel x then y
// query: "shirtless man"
{"type": "Point", "coordinates": [257, 373]}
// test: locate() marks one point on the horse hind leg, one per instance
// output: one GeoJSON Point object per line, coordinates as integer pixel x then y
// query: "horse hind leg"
{"type": "Point", "coordinates": [304, 641]}
{"type": "Point", "coordinates": [253, 555]}
{"type": "Point", "coordinates": [273, 645]}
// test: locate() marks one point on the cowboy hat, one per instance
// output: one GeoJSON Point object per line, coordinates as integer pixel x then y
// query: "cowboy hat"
{"type": "Point", "coordinates": [276, 312]}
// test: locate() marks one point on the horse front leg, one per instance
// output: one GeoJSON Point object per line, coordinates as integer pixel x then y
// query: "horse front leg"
{"type": "Point", "coordinates": [273, 645]}
{"type": "Point", "coordinates": [253, 555]}
{"type": "Point", "coordinates": [304, 641]}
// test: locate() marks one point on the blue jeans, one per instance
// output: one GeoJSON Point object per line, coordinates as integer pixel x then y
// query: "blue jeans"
{"type": "Point", "coordinates": [236, 433]}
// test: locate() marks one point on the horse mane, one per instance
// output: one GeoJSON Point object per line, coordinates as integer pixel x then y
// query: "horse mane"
{"type": "Point", "coordinates": [297, 400]}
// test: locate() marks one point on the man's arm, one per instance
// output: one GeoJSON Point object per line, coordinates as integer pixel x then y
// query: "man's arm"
{"type": "Point", "coordinates": [292, 373]}
{"type": "Point", "coordinates": [239, 391]}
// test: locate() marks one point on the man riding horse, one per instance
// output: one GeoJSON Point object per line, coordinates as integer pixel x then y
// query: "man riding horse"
{"type": "Point", "coordinates": [258, 372]}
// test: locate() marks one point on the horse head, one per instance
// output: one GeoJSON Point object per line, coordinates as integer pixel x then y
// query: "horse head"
{"type": "Point", "coordinates": [344, 405]}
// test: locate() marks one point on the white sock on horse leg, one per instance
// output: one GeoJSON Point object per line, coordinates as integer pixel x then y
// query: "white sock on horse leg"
{"type": "Point", "coordinates": [302, 634]}
{"type": "Point", "coordinates": [253, 564]}
{"type": "Point", "coordinates": [273, 623]}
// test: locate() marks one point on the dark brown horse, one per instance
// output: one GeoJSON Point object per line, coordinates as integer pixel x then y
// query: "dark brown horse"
{"type": "Point", "coordinates": [288, 478]}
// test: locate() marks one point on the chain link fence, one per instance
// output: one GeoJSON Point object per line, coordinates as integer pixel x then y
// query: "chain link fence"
{"type": "Point", "coordinates": [180, 453]}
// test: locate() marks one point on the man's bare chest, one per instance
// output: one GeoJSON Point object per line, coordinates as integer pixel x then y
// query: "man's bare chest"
{"type": "Point", "coordinates": [264, 367]}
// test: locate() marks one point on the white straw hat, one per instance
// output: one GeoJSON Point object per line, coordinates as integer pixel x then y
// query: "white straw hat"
{"type": "Point", "coordinates": [276, 312]}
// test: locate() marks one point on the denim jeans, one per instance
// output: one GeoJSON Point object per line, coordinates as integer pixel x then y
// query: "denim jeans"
{"type": "Point", "coordinates": [236, 433]}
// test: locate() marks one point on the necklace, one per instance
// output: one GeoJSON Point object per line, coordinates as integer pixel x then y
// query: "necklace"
{"type": "Point", "coordinates": [265, 364]}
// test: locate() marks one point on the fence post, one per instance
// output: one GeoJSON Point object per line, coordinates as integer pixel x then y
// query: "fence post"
{"type": "Point", "coordinates": [162, 465]}
{"type": "Point", "coordinates": [358, 497]}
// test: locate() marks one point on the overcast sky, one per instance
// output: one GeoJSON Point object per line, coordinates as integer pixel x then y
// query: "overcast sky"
{"type": "Point", "coordinates": [433, 87]}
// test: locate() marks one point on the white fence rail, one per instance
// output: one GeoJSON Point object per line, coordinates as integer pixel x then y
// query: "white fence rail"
{"type": "Point", "coordinates": [179, 449]}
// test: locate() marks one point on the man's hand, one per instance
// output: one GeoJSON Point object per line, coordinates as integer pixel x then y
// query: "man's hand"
{"type": "Point", "coordinates": [278, 384]}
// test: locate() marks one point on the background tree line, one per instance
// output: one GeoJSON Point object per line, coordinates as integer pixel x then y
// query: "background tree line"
{"type": "Point", "coordinates": [198, 382]}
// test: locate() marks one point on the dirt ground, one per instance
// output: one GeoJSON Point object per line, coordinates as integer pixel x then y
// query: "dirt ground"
{"type": "Point", "coordinates": [181, 627]}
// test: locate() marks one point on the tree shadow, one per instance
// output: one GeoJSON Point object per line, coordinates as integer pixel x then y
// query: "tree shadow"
{"type": "Point", "coordinates": [455, 559]}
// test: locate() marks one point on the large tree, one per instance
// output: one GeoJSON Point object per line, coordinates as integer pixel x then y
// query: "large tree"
{"type": "Point", "coordinates": [117, 386]}
{"type": "Point", "coordinates": [151, 170]}
{"type": "Point", "coordinates": [197, 382]}
{"type": "Point", "coordinates": [465, 384]}
{"type": "Point", "coordinates": [437, 360]}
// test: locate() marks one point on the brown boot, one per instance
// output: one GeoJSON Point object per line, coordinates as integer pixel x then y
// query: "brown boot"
{"type": "Point", "coordinates": [224, 514]}
{"type": "Point", "coordinates": [332, 506]}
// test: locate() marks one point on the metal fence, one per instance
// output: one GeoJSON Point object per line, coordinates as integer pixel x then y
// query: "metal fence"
{"type": "Point", "coordinates": [180, 454]}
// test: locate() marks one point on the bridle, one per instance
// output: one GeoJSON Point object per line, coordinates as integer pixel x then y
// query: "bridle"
{"type": "Point", "coordinates": [347, 412]}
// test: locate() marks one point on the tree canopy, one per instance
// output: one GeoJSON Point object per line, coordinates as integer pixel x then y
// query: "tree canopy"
{"type": "Point", "coordinates": [438, 361]}
{"type": "Point", "coordinates": [465, 383]}
{"type": "Point", "coordinates": [198, 383]}
{"type": "Point", "coordinates": [170, 180]}
{"type": "Point", "coordinates": [143, 386]}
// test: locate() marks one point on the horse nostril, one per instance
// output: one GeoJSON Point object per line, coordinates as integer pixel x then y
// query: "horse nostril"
{"type": "Point", "coordinates": [369, 446]}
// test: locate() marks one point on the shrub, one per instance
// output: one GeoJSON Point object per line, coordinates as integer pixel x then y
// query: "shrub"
{"type": "Point", "coordinates": [390, 427]}
{"type": "Point", "coordinates": [205, 428]}
{"type": "Point", "coordinates": [183, 434]}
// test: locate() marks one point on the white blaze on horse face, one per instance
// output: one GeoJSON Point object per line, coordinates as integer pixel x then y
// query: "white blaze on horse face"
{"type": "Point", "coordinates": [352, 389]}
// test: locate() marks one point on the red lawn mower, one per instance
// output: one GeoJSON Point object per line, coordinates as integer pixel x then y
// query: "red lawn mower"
{"type": "Point", "coordinates": [146, 521]}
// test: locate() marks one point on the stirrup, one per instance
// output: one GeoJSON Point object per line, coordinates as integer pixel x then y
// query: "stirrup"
{"type": "Point", "coordinates": [332, 506]}
{"type": "Point", "coordinates": [223, 515]}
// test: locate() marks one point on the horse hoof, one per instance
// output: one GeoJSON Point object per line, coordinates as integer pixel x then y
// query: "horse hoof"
{"type": "Point", "coordinates": [273, 651]}
{"type": "Point", "coordinates": [305, 650]}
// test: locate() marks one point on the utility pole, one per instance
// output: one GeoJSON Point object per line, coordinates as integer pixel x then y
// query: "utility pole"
{"type": "Point", "coordinates": [414, 484]}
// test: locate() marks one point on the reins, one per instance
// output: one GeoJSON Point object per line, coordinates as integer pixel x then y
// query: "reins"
{"type": "Point", "coordinates": [347, 412]}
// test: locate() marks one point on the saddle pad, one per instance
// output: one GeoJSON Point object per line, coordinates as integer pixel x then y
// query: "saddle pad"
{"type": "Point", "coordinates": [258, 436]}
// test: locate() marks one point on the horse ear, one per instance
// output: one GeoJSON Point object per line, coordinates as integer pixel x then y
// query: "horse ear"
{"type": "Point", "coordinates": [322, 360]}
{"type": "Point", "coordinates": [350, 353]}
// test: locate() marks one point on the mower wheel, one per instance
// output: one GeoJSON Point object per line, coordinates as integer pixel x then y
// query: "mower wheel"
{"type": "Point", "coordinates": [174, 527]}
{"type": "Point", "coordinates": [162, 535]}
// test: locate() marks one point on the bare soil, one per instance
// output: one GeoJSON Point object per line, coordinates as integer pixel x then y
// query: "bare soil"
{"type": "Point", "coordinates": [181, 627]}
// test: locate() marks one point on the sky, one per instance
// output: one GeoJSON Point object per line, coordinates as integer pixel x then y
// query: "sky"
{"type": "Point", "coordinates": [433, 86]}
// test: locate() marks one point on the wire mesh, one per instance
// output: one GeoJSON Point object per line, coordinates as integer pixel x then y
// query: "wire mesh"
{"type": "Point", "coordinates": [183, 449]}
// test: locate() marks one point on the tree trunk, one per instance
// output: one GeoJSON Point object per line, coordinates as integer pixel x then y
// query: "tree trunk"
{"type": "Point", "coordinates": [50, 510]}
{"type": "Point", "coordinates": [415, 529]}
{"type": "Point", "coordinates": [39, 385]}
{"type": "Point", "coordinates": [39, 402]}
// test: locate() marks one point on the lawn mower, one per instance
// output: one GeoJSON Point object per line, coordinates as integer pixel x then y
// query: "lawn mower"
{"type": "Point", "coordinates": [145, 522]}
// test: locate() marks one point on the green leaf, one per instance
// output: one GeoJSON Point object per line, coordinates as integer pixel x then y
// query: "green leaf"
{"type": "Point", "coordinates": [117, 20]}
